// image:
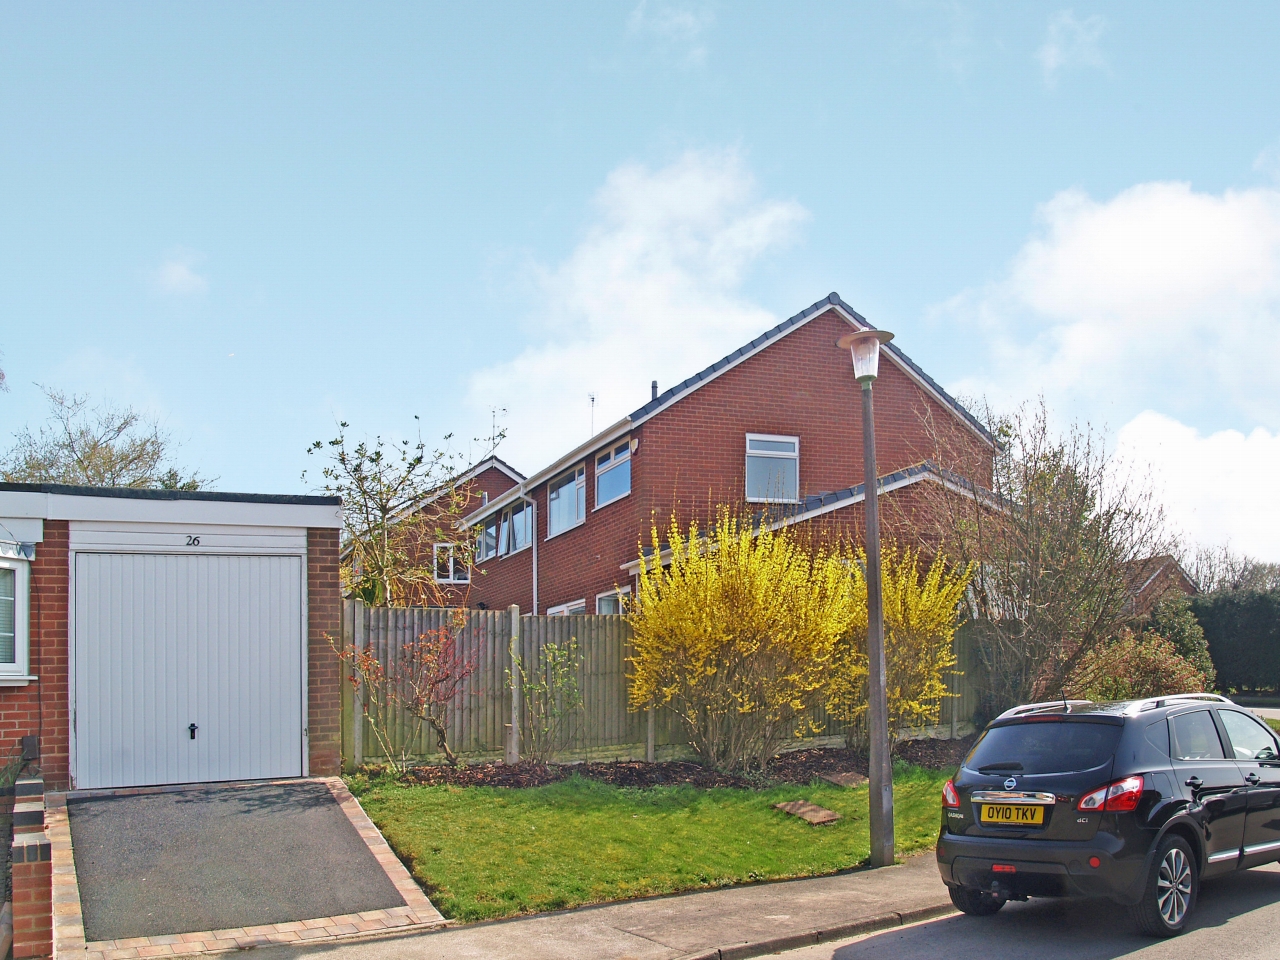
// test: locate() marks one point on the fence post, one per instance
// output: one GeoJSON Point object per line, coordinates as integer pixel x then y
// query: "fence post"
{"type": "Point", "coordinates": [357, 696]}
{"type": "Point", "coordinates": [513, 738]}
{"type": "Point", "coordinates": [649, 748]}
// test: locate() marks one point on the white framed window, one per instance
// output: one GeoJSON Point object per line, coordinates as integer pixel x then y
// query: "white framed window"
{"type": "Point", "coordinates": [451, 565]}
{"type": "Point", "coordinates": [613, 473]}
{"type": "Point", "coordinates": [516, 531]}
{"type": "Point", "coordinates": [568, 609]}
{"type": "Point", "coordinates": [15, 590]}
{"type": "Point", "coordinates": [487, 538]}
{"type": "Point", "coordinates": [773, 468]}
{"type": "Point", "coordinates": [613, 601]}
{"type": "Point", "coordinates": [567, 501]}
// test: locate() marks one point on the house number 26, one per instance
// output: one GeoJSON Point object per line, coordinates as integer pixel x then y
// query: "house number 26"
{"type": "Point", "coordinates": [193, 541]}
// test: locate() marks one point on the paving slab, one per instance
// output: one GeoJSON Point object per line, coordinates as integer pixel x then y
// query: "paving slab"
{"type": "Point", "coordinates": [735, 922]}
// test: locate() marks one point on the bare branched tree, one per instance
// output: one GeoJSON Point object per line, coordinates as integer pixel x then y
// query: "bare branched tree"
{"type": "Point", "coordinates": [1048, 548]}
{"type": "Point", "coordinates": [400, 500]}
{"type": "Point", "coordinates": [1215, 569]}
{"type": "Point", "coordinates": [102, 446]}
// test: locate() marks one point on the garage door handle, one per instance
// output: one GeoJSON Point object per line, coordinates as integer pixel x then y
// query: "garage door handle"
{"type": "Point", "coordinates": [192, 730]}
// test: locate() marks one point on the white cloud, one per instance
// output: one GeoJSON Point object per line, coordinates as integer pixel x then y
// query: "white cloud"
{"type": "Point", "coordinates": [1160, 297]}
{"type": "Point", "coordinates": [1218, 488]}
{"type": "Point", "coordinates": [649, 293]}
{"type": "Point", "coordinates": [677, 25]}
{"type": "Point", "coordinates": [1071, 42]}
{"type": "Point", "coordinates": [178, 276]}
{"type": "Point", "coordinates": [1268, 161]}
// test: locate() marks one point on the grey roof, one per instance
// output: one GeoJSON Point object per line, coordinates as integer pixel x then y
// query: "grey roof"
{"type": "Point", "coordinates": [137, 493]}
{"type": "Point", "coordinates": [832, 300]}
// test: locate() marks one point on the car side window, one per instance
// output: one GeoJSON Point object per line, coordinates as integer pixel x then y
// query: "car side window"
{"type": "Point", "coordinates": [1249, 739]}
{"type": "Point", "coordinates": [1195, 737]}
{"type": "Point", "coordinates": [1158, 736]}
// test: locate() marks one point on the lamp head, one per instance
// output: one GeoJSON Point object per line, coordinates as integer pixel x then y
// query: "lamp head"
{"type": "Point", "coordinates": [865, 347]}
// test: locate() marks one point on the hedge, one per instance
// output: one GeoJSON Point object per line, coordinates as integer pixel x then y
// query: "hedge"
{"type": "Point", "coordinates": [1243, 631]}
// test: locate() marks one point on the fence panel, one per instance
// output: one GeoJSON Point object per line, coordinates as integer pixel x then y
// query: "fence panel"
{"type": "Point", "coordinates": [479, 715]}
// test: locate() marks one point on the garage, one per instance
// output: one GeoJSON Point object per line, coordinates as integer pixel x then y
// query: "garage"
{"type": "Point", "coordinates": [171, 636]}
{"type": "Point", "coordinates": [187, 669]}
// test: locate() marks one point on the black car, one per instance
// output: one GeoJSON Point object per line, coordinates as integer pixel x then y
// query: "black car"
{"type": "Point", "coordinates": [1135, 801]}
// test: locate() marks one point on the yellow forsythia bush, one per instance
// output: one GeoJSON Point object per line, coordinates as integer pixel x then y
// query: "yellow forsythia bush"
{"type": "Point", "coordinates": [738, 634]}
{"type": "Point", "coordinates": [921, 614]}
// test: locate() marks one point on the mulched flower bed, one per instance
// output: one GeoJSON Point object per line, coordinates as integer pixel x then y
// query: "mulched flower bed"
{"type": "Point", "coordinates": [801, 767]}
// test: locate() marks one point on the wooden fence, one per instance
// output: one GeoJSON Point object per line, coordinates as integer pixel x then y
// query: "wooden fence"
{"type": "Point", "coordinates": [481, 713]}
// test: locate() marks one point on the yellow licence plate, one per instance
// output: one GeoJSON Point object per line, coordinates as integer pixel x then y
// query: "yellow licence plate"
{"type": "Point", "coordinates": [1008, 813]}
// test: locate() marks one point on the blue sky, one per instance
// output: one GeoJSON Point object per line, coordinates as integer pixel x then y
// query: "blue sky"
{"type": "Point", "coordinates": [253, 219]}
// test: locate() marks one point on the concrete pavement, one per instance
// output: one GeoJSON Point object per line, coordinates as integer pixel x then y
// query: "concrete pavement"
{"type": "Point", "coordinates": [737, 922]}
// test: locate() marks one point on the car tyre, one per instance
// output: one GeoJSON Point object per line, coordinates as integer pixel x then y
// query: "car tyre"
{"type": "Point", "coordinates": [1170, 892]}
{"type": "Point", "coordinates": [975, 902]}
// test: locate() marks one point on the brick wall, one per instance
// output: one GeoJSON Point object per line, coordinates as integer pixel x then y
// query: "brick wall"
{"type": "Point", "coordinates": [41, 707]}
{"type": "Point", "coordinates": [324, 674]}
{"type": "Point", "coordinates": [693, 456]}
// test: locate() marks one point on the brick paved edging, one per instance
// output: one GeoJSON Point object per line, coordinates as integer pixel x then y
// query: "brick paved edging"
{"type": "Point", "coordinates": [417, 915]}
{"type": "Point", "coordinates": [793, 941]}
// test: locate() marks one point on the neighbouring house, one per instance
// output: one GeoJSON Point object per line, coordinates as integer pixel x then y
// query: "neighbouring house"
{"type": "Point", "coordinates": [165, 636]}
{"type": "Point", "coordinates": [1150, 580]}
{"type": "Point", "coordinates": [776, 426]}
{"type": "Point", "coordinates": [486, 481]}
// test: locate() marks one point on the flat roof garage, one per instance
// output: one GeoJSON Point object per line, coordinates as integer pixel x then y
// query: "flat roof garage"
{"type": "Point", "coordinates": [168, 636]}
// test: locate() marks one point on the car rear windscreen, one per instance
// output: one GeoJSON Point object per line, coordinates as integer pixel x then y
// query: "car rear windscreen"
{"type": "Point", "coordinates": [1044, 747]}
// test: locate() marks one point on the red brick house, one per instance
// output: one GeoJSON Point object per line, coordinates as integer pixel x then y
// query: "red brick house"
{"type": "Point", "coordinates": [775, 423]}
{"type": "Point", "coordinates": [165, 636]}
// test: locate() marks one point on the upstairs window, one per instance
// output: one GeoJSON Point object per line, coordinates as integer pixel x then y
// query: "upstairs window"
{"type": "Point", "coordinates": [773, 469]}
{"type": "Point", "coordinates": [487, 539]}
{"type": "Point", "coordinates": [567, 501]}
{"type": "Point", "coordinates": [14, 580]}
{"type": "Point", "coordinates": [505, 532]}
{"type": "Point", "coordinates": [451, 565]}
{"type": "Point", "coordinates": [517, 528]}
{"type": "Point", "coordinates": [613, 473]}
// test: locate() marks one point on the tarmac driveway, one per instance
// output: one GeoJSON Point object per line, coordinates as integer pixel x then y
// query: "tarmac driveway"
{"type": "Point", "coordinates": [209, 859]}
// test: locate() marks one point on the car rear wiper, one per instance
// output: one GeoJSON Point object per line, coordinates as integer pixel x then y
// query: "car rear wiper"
{"type": "Point", "coordinates": [1003, 765]}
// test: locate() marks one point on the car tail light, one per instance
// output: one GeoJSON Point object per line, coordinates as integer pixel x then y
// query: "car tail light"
{"type": "Point", "coordinates": [949, 796]}
{"type": "Point", "coordinates": [1119, 797]}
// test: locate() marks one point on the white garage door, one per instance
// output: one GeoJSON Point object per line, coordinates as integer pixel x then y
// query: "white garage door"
{"type": "Point", "coordinates": [163, 643]}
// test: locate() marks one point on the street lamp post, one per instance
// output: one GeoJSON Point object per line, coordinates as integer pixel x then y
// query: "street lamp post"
{"type": "Point", "coordinates": [865, 347]}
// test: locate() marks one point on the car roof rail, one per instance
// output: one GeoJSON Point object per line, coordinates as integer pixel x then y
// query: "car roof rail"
{"type": "Point", "coordinates": [1047, 705]}
{"type": "Point", "coordinates": [1154, 703]}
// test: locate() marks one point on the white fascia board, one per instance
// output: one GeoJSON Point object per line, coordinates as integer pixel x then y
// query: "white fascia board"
{"type": "Point", "coordinates": [844, 314]}
{"type": "Point", "coordinates": [58, 506]}
{"type": "Point", "coordinates": [521, 491]}
{"type": "Point", "coordinates": [22, 529]}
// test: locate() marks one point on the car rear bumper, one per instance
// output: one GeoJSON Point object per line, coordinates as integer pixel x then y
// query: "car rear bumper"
{"type": "Point", "coordinates": [1043, 868]}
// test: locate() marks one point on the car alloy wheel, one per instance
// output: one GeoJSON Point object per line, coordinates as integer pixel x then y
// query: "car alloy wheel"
{"type": "Point", "coordinates": [1173, 887]}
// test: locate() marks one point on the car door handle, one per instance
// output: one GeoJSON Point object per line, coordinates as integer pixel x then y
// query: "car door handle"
{"type": "Point", "coordinates": [1195, 783]}
{"type": "Point", "coordinates": [1252, 779]}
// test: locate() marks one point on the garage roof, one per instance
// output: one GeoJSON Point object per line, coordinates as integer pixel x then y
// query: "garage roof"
{"type": "Point", "coordinates": [56, 501]}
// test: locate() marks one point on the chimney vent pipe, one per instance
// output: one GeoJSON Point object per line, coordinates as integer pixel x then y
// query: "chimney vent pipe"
{"type": "Point", "coordinates": [654, 388]}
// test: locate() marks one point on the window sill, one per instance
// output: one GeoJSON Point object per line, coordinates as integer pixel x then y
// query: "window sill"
{"type": "Point", "coordinates": [609, 503]}
{"type": "Point", "coordinates": [760, 500]}
{"type": "Point", "coordinates": [16, 681]}
{"type": "Point", "coordinates": [561, 533]}
{"type": "Point", "coordinates": [452, 583]}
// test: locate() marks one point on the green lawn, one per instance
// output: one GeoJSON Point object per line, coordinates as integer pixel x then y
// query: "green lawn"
{"type": "Point", "coordinates": [1274, 724]}
{"type": "Point", "coordinates": [484, 852]}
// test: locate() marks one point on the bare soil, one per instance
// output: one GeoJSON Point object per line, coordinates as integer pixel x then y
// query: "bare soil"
{"type": "Point", "coordinates": [802, 767]}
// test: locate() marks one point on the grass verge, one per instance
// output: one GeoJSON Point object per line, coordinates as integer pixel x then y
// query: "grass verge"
{"type": "Point", "coordinates": [484, 853]}
{"type": "Point", "coordinates": [1273, 724]}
